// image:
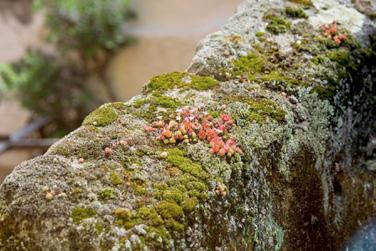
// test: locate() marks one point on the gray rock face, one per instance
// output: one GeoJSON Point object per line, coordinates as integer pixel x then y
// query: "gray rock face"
{"type": "Point", "coordinates": [266, 142]}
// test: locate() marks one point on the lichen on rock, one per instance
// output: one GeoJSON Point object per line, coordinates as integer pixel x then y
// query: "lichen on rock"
{"type": "Point", "coordinates": [293, 99]}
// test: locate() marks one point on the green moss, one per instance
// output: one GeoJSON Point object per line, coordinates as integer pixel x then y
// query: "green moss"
{"type": "Point", "coordinates": [123, 213]}
{"type": "Point", "coordinates": [150, 216]}
{"type": "Point", "coordinates": [173, 194]}
{"type": "Point", "coordinates": [79, 214]}
{"type": "Point", "coordinates": [62, 150]}
{"type": "Point", "coordinates": [139, 188]}
{"type": "Point", "coordinates": [174, 225]}
{"type": "Point", "coordinates": [118, 106]}
{"type": "Point", "coordinates": [260, 34]}
{"type": "Point", "coordinates": [176, 157]}
{"type": "Point", "coordinates": [107, 193]}
{"type": "Point", "coordinates": [277, 24]}
{"type": "Point", "coordinates": [248, 65]}
{"type": "Point", "coordinates": [165, 102]}
{"type": "Point", "coordinates": [169, 210]}
{"type": "Point", "coordinates": [295, 12]}
{"type": "Point", "coordinates": [180, 80]}
{"type": "Point", "coordinates": [215, 114]}
{"type": "Point", "coordinates": [265, 108]}
{"type": "Point", "coordinates": [99, 228]}
{"type": "Point", "coordinates": [276, 76]}
{"type": "Point", "coordinates": [189, 204]}
{"type": "Point", "coordinates": [340, 56]}
{"type": "Point", "coordinates": [304, 3]}
{"type": "Point", "coordinates": [103, 116]}
{"type": "Point", "coordinates": [150, 105]}
{"type": "Point", "coordinates": [130, 223]}
{"type": "Point", "coordinates": [115, 179]}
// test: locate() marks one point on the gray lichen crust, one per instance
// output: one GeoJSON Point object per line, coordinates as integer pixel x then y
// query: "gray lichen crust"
{"type": "Point", "coordinates": [295, 78]}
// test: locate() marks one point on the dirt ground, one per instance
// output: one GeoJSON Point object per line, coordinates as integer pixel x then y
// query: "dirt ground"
{"type": "Point", "coordinates": [167, 33]}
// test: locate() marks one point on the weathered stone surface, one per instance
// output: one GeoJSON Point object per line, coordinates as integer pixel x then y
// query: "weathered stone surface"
{"type": "Point", "coordinates": [302, 99]}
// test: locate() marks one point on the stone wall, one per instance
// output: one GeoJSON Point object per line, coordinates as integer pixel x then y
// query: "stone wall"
{"type": "Point", "coordinates": [265, 143]}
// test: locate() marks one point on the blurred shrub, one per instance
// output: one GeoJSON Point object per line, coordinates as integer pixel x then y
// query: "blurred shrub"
{"type": "Point", "coordinates": [86, 25]}
{"type": "Point", "coordinates": [84, 35]}
{"type": "Point", "coordinates": [47, 86]}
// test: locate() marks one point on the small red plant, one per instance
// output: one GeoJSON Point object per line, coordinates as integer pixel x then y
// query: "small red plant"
{"type": "Point", "coordinates": [331, 31]}
{"type": "Point", "coordinates": [191, 124]}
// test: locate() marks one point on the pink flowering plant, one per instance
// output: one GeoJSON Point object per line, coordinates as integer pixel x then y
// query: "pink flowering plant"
{"type": "Point", "coordinates": [331, 31]}
{"type": "Point", "coordinates": [191, 124]}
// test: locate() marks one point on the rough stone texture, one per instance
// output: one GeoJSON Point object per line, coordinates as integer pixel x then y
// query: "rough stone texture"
{"type": "Point", "coordinates": [303, 108]}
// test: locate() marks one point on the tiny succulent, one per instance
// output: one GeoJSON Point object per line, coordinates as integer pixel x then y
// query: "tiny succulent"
{"type": "Point", "coordinates": [191, 124]}
{"type": "Point", "coordinates": [331, 31]}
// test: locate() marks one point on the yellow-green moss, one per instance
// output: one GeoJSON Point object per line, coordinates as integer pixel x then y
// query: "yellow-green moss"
{"type": "Point", "coordinates": [189, 204]}
{"type": "Point", "coordinates": [79, 213]}
{"type": "Point", "coordinates": [265, 108]}
{"type": "Point", "coordinates": [176, 157]}
{"type": "Point", "coordinates": [173, 194]}
{"type": "Point", "coordinates": [169, 210]}
{"type": "Point", "coordinates": [118, 105]}
{"type": "Point", "coordinates": [103, 116]}
{"type": "Point", "coordinates": [180, 79]}
{"type": "Point", "coordinates": [139, 189]}
{"type": "Point", "coordinates": [248, 65]}
{"type": "Point", "coordinates": [107, 193]}
{"type": "Point", "coordinates": [276, 76]}
{"type": "Point", "coordinates": [115, 179]}
{"type": "Point", "coordinates": [153, 103]}
{"type": "Point", "coordinates": [340, 56]}
{"type": "Point", "coordinates": [150, 216]}
{"type": "Point", "coordinates": [304, 3]}
{"type": "Point", "coordinates": [295, 12]}
{"type": "Point", "coordinates": [277, 24]}
{"type": "Point", "coordinates": [260, 34]}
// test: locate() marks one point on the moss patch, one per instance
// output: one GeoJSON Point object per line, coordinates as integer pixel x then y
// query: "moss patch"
{"type": "Point", "coordinates": [304, 3]}
{"type": "Point", "coordinates": [177, 158]}
{"type": "Point", "coordinates": [295, 12]}
{"type": "Point", "coordinates": [180, 79]}
{"type": "Point", "coordinates": [265, 108]}
{"type": "Point", "coordinates": [103, 116]}
{"type": "Point", "coordinates": [116, 179]}
{"type": "Point", "coordinates": [277, 24]}
{"type": "Point", "coordinates": [148, 108]}
{"type": "Point", "coordinates": [248, 65]}
{"type": "Point", "coordinates": [80, 213]}
{"type": "Point", "coordinates": [107, 193]}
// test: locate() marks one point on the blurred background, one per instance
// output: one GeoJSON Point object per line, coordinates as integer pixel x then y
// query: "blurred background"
{"type": "Point", "coordinates": [60, 59]}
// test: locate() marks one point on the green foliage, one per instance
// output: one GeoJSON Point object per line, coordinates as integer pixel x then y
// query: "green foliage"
{"type": "Point", "coordinates": [84, 34]}
{"type": "Point", "coordinates": [44, 85]}
{"type": "Point", "coordinates": [86, 26]}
